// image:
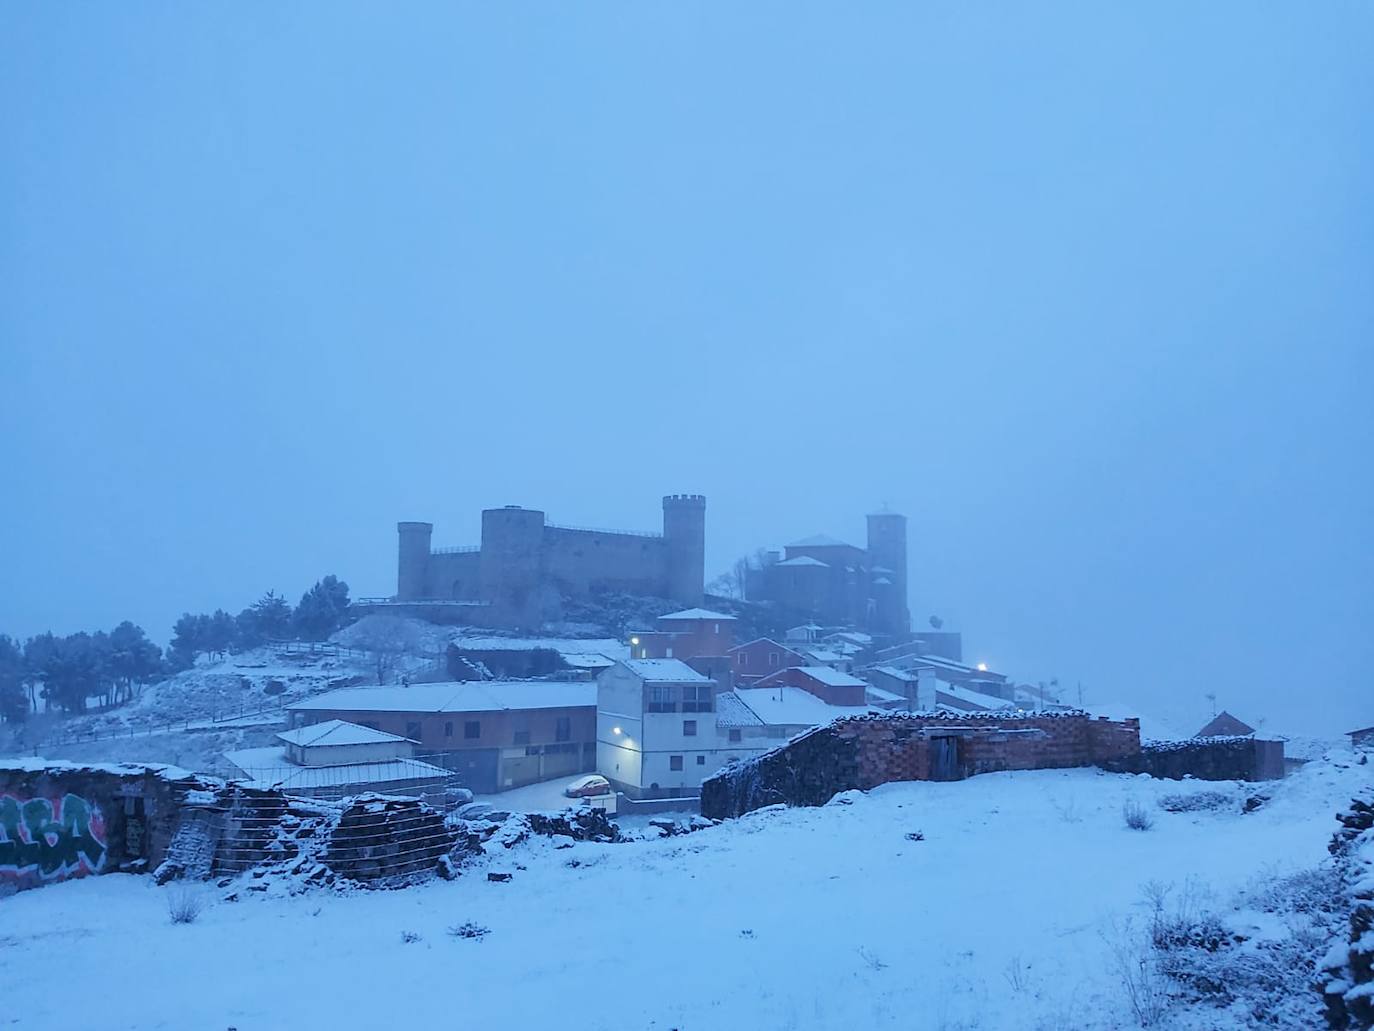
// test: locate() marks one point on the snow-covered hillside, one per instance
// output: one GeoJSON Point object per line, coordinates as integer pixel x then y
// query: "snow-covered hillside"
{"type": "Point", "coordinates": [1000, 902]}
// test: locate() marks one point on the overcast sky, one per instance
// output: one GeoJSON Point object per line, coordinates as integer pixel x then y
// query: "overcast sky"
{"type": "Point", "coordinates": [1087, 293]}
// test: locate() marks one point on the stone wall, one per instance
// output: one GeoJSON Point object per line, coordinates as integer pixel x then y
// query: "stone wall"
{"type": "Point", "coordinates": [64, 820]}
{"type": "Point", "coordinates": [1347, 982]}
{"type": "Point", "coordinates": [1211, 758]}
{"type": "Point", "coordinates": [863, 752]}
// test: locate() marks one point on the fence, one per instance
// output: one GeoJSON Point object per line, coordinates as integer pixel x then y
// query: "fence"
{"type": "Point", "coordinates": [71, 737]}
{"type": "Point", "coordinates": [426, 777]}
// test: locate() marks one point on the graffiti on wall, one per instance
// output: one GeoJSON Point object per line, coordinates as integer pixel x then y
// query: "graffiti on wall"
{"type": "Point", "coordinates": [50, 839]}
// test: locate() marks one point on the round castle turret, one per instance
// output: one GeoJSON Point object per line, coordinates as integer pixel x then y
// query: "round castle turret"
{"type": "Point", "coordinates": [512, 552]}
{"type": "Point", "coordinates": [412, 565]}
{"type": "Point", "coordinates": [684, 533]}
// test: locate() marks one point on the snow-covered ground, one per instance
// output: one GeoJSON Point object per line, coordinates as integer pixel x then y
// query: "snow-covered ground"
{"type": "Point", "coordinates": [1004, 914]}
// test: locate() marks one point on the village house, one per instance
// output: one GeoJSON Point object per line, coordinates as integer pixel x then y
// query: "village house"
{"type": "Point", "coordinates": [1223, 724]}
{"type": "Point", "coordinates": [761, 657]}
{"type": "Point", "coordinates": [335, 759]}
{"type": "Point", "coordinates": [493, 735]}
{"type": "Point", "coordinates": [829, 685]}
{"type": "Point", "coordinates": [688, 634]}
{"type": "Point", "coordinates": [656, 727]}
{"type": "Point", "coordinates": [785, 711]}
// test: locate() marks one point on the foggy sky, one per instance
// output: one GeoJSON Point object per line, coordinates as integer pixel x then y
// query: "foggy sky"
{"type": "Point", "coordinates": [1085, 293]}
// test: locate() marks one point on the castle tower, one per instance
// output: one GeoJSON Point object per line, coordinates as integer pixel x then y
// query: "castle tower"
{"type": "Point", "coordinates": [887, 551]}
{"type": "Point", "coordinates": [511, 563]}
{"type": "Point", "coordinates": [684, 532]}
{"type": "Point", "coordinates": [412, 561]}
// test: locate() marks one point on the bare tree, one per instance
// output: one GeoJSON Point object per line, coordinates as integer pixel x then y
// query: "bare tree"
{"type": "Point", "coordinates": [387, 640]}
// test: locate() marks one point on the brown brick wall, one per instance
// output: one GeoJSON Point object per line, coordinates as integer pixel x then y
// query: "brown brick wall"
{"type": "Point", "coordinates": [864, 752]}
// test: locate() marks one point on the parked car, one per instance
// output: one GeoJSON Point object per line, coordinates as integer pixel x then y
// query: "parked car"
{"type": "Point", "coordinates": [583, 787]}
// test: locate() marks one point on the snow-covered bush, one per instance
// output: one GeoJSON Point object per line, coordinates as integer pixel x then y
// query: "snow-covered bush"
{"type": "Point", "coordinates": [1200, 801]}
{"type": "Point", "coordinates": [1137, 817]}
{"type": "Point", "coordinates": [1264, 979]}
{"type": "Point", "coordinates": [185, 904]}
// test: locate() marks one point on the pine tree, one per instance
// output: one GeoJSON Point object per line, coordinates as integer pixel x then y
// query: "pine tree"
{"type": "Point", "coordinates": [133, 658]}
{"type": "Point", "coordinates": [323, 609]}
{"type": "Point", "coordinates": [14, 703]}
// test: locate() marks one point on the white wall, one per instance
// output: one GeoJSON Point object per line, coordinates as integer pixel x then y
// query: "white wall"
{"type": "Point", "coordinates": [334, 755]}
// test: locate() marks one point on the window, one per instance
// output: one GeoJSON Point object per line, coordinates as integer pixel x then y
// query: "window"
{"type": "Point", "coordinates": [743, 659]}
{"type": "Point", "coordinates": [735, 735]}
{"type": "Point", "coordinates": [772, 658]}
{"type": "Point", "coordinates": [689, 728]}
{"type": "Point", "coordinates": [669, 653]}
{"type": "Point", "coordinates": [448, 728]}
{"type": "Point", "coordinates": [412, 729]}
{"type": "Point", "coordinates": [674, 762]}
{"type": "Point", "coordinates": [661, 699]}
{"type": "Point", "coordinates": [472, 730]}
{"type": "Point", "coordinates": [701, 760]}
{"type": "Point", "coordinates": [563, 729]}
{"type": "Point", "coordinates": [522, 737]}
{"type": "Point", "coordinates": [696, 699]}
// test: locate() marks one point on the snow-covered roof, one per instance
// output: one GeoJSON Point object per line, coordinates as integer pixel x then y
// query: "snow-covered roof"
{"type": "Point", "coordinates": [1225, 725]}
{"type": "Point", "coordinates": [587, 660]}
{"type": "Point", "coordinates": [819, 540]}
{"type": "Point", "coordinates": [604, 646]}
{"type": "Point", "coordinates": [665, 671]}
{"type": "Point", "coordinates": [821, 674]}
{"type": "Point", "coordinates": [803, 560]}
{"type": "Point", "coordinates": [731, 712]}
{"type": "Point", "coordinates": [883, 581]}
{"type": "Point", "coordinates": [470, 696]}
{"type": "Point", "coordinates": [336, 732]}
{"type": "Point", "coordinates": [794, 706]}
{"type": "Point", "coordinates": [909, 676]}
{"type": "Point", "coordinates": [698, 614]}
{"type": "Point", "coordinates": [878, 696]}
{"type": "Point", "coordinates": [963, 698]}
{"type": "Point", "coordinates": [267, 767]}
{"type": "Point", "coordinates": [852, 636]}
{"type": "Point", "coordinates": [821, 655]}
{"type": "Point", "coordinates": [765, 640]}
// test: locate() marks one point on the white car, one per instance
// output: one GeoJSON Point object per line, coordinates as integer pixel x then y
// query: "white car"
{"type": "Point", "coordinates": [584, 787]}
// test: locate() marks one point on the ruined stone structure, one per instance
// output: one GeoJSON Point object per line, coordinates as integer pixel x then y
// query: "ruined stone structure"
{"type": "Point", "coordinates": [1210, 758]}
{"type": "Point", "coordinates": [839, 584]}
{"type": "Point", "coordinates": [64, 820]}
{"type": "Point", "coordinates": [863, 752]}
{"type": "Point", "coordinates": [525, 566]}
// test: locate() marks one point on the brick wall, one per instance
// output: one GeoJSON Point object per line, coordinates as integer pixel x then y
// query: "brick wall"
{"type": "Point", "coordinates": [864, 752]}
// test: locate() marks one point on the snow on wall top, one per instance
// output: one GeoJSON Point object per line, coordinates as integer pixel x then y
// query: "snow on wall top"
{"type": "Point", "coordinates": [37, 764]}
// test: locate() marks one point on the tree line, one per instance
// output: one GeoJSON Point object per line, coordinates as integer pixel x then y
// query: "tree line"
{"type": "Point", "coordinates": [67, 672]}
